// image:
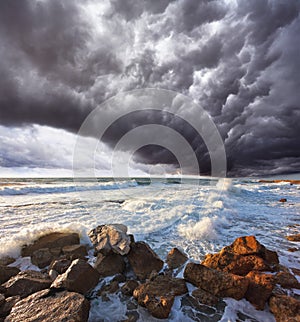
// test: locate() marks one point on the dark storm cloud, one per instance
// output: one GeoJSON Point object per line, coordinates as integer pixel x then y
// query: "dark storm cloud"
{"type": "Point", "coordinates": [240, 61]}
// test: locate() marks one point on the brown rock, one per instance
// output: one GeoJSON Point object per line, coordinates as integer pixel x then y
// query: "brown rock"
{"type": "Point", "coordinates": [6, 307]}
{"type": "Point", "coordinates": [7, 272]}
{"type": "Point", "coordinates": [79, 277]}
{"type": "Point", "coordinates": [296, 271]}
{"type": "Point", "coordinates": [260, 289]}
{"type": "Point", "coordinates": [2, 299]}
{"type": "Point", "coordinates": [247, 245]}
{"type": "Point", "coordinates": [282, 200]}
{"type": "Point", "coordinates": [53, 240]}
{"type": "Point", "coordinates": [60, 265]}
{"type": "Point", "coordinates": [110, 288]}
{"type": "Point", "coordinates": [26, 283]}
{"type": "Point", "coordinates": [294, 238]}
{"type": "Point", "coordinates": [176, 258]}
{"type": "Point", "coordinates": [143, 260]}
{"type": "Point", "coordinates": [218, 283]}
{"type": "Point", "coordinates": [287, 280]}
{"type": "Point", "coordinates": [41, 257]}
{"type": "Point", "coordinates": [129, 287]}
{"type": "Point", "coordinates": [285, 308]}
{"type": "Point", "coordinates": [47, 306]}
{"type": "Point", "coordinates": [75, 251]}
{"type": "Point", "coordinates": [205, 297]}
{"type": "Point", "coordinates": [110, 238]}
{"type": "Point", "coordinates": [158, 295]}
{"type": "Point", "coordinates": [4, 261]}
{"type": "Point", "coordinates": [109, 265]}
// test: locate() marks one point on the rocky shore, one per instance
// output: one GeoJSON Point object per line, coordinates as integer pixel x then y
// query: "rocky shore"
{"type": "Point", "coordinates": [69, 279]}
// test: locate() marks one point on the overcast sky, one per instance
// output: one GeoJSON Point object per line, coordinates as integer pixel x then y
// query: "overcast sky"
{"type": "Point", "coordinates": [237, 59]}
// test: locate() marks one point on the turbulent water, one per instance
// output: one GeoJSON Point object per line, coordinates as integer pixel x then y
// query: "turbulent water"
{"type": "Point", "coordinates": [199, 216]}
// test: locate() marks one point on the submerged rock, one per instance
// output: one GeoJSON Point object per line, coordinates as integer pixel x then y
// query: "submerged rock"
{"type": "Point", "coordinates": [176, 258]}
{"type": "Point", "coordinates": [7, 272]}
{"type": "Point", "coordinates": [144, 260]}
{"type": "Point", "coordinates": [294, 238]}
{"type": "Point", "coordinates": [48, 306]}
{"type": "Point", "coordinates": [285, 308]}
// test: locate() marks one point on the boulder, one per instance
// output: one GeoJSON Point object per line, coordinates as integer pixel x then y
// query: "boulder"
{"type": "Point", "coordinates": [294, 238]}
{"type": "Point", "coordinates": [285, 308]}
{"type": "Point", "coordinates": [26, 283]}
{"type": "Point", "coordinates": [41, 257]}
{"type": "Point", "coordinates": [205, 297]}
{"type": "Point", "coordinates": [52, 240]}
{"type": "Point", "coordinates": [143, 260]}
{"type": "Point", "coordinates": [109, 265]}
{"type": "Point", "coordinates": [48, 306]}
{"type": "Point", "coordinates": [6, 307]}
{"type": "Point", "coordinates": [7, 272]}
{"type": "Point", "coordinates": [129, 287]}
{"type": "Point", "coordinates": [75, 251]}
{"type": "Point", "coordinates": [220, 284]}
{"type": "Point", "coordinates": [260, 289]}
{"type": "Point", "coordinates": [110, 238]}
{"type": "Point", "coordinates": [287, 280]}
{"type": "Point", "coordinates": [158, 295]}
{"type": "Point", "coordinates": [60, 265]}
{"type": "Point", "coordinates": [176, 258]}
{"type": "Point", "coordinates": [80, 277]}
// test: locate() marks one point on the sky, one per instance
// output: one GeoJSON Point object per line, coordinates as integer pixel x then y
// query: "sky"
{"type": "Point", "coordinates": [238, 60]}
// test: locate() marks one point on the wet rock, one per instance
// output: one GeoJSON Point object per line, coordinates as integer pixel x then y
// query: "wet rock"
{"type": "Point", "coordinates": [132, 316]}
{"type": "Point", "coordinates": [80, 277]}
{"type": "Point", "coordinates": [4, 261]}
{"type": "Point", "coordinates": [48, 306]}
{"type": "Point", "coordinates": [110, 288]}
{"type": "Point", "coordinates": [176, 258]}
{"type": "Point", "coordinates": [129, 287]}
{"type": "Point", "coordinates": [110, 238]}
{"type": "Point", "coordinates": [7, 272]}
{"type": "Point", "coordinates": [282, 200]}
{"type": "Point", "coordinates": [60, 265]}
{"type": "Point", "coordinates": [296, 271]}
{"type": "Point", "coordinates": [205, 297]}
{"type": "Point", "coordinates": [294, 238]}
{"type": "Point", "coordinates": [143, 260]}
{"type": "Point", "coordinates": [8, 304]}
{"type": "Point", "coordinates": [75, 251]}
{"type": "Point", "coordinates": [109, 265]}
{"type": "Point", "coordinates": [53, 240]}
{"type": "Point", "coordinates": [158, 295]}
{"type": "Point", "coordinates": [119, 278]}
{"type": "Point", "coordinates": [2, 299]}
{"type": "Point", "coordinates": [260, 289]}
{"type": "Point", "coordinates": [41, 257]}
{"type": "Point", "coordinates": [220, 284]}
{"type": "Point", "coordinates": [26, 283]}
{"type": "Point", "coordinates": [287, 280]}
{"type": "Point", "coordinates": [285, 308]}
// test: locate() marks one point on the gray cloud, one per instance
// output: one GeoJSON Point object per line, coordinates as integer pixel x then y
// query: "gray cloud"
{"type": "Point", "coordinates": [61, 59]}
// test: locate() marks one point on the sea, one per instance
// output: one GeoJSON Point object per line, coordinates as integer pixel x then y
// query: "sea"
{"type": "Point", "coordinates": [197, 215]}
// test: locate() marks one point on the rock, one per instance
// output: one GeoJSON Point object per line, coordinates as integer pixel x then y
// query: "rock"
{"type": "Point", "coordinates": [26, 283]}
{"type": "Point", "coordinates": [129, 287]}
{"type": "Point", "coordinates": [282, 200]}
{"type": "Point", "coordinates": [119, 278]}
{"type": "Point", "coordinates": [80, 277]}
{"type": "Point", "coordinates": [110, 288]}
{"type": "Point", "coordinates": [6, 307]}
{"type": "Point", "coordinates": [110, 238]}
{"type": "Point", "coordinates": [176, 258]}
{"type": "Point", "coordinates": [75, 251]}
{"type": "Point", "coordinates": [109, 265]}
{"type": "Point", "coordinates": [294, 238]}
{"type": "Point", "coordinates": [287, 280]}
{"type": "Point", "coordinates": [296, 271]}
{"type": "Point", "coordinates": [220, 284]}
{"type": "Point", "coordinates": [4, 261]}
{"type": "Point", "coordinates": [143, 260]}
{"type": "Point", "coordinates": [158, 295]}
{"type": "Point", "coordinates": [2, 299]}
{"type": "Point", "coordinates": [205, 297]}
{"type": "Point", "coordinates": [53, 240]}
{"type": "Point", "coordinates": [60, 265]}
{"type": "Point", "coordinates": [41, 257]}
{"type": "Point", "coordinates": [49, 306]}
{"type": "Point", "coordinates": [7, 272]}
{"type": "Point", "coordinates": [132, 316]}
{"type": "Point", "coordinates": [285, 308]}
{"type": "Point", "coordinates": [260, 289]}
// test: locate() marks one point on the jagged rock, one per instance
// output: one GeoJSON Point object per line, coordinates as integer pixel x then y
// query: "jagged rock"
{"type": "Point", "coordinates": [79, 277]}
{"type": "Point", "coordinates": [110, 238]}
{"type": "Point", "coordinates": [60, 265]}
{"type": "Point", "coordinates": [26, 283]}
{"type": "Point", "coordinates": [109, 265]}
{"type": "Point", "coordinates": [220, 284]}
{"type": "Point", "coordinates": [287, 280]}
{"type": "Point", "coordinates": [143, 260]}
{"type": "Point", "coordinates": [41, 257]}
{"type": "Point", "coordinates": [129, 287]}
{"type": "Point", "coordinates": [158, 295]}
{"type": "Point", "coordinates": [75, 251]}
{"type": "Point", "coordinates": [6, 307]}
{"type": "Point", "coordinates": [260, 289]}
{"type": "Point", "coordinates": [205, 297]}
{"type": "Point", "coordinates": [176, 258]}
{"type": "Point", "coordinates": [6, 272]}
{"type": "Point", "coordinates": [48, 306]}
{"type": "Point", "coordinates": [294, 238]}
{"type": "Point", "coordinates": [53, 240]}
{"type": "Point", "coordinates": [285, 308]}
{"type": "Point", "coordinates": [4, 261]}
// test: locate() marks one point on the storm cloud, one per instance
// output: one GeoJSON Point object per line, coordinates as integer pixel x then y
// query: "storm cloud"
{"type": "Point", "coordinates": [239, 60]}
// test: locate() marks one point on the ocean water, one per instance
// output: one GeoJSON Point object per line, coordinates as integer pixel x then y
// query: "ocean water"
{"type": "Point", "coordinates": [199, 216]}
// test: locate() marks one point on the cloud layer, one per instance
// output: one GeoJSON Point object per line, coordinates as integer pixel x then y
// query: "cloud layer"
{"type": "Point", "coordinates": [239, 60]}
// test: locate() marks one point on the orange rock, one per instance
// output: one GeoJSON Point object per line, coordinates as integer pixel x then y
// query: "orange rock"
{"type": "Point", "coordinates": [285, 308]}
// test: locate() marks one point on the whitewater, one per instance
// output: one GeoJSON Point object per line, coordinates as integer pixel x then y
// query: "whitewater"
{"type": "Point", "coordinates": [199, 216]}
